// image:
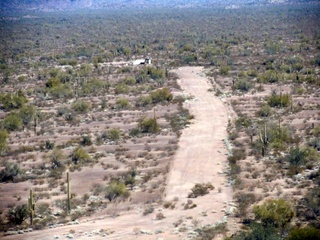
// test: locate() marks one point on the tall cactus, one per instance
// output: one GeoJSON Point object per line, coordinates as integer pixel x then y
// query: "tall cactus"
{"type": "Point", "coordinates": [35, 124]}
{"type": "Point", "coordinates": [31, 207]}
{"type": "Point", "coordinates": [264, 140]}
{"type": "Point", "coordinates": [69, 194]}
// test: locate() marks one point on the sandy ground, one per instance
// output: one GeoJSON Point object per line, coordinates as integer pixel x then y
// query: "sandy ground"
{"type": "Point", "coordinates": [201, 158]}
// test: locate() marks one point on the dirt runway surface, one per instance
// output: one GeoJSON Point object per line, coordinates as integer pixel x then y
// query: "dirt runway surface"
{"type": "Point", "coordinates": [201, 154]}
{"type": "Point", "coordinates": [201, 158]}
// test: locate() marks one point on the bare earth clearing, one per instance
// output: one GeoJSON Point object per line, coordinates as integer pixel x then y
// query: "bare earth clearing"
{"type": "Point", "coordinates": [201, 158]}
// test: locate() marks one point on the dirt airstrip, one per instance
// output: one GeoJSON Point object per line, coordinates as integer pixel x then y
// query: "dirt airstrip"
{"type": "Point", "coordinates": [200, 158]}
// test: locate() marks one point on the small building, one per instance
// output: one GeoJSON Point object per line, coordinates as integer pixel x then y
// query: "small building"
{"type": "Point", "coordinates": [141, 61]}
{"type": "Point", "coordinates": [148, 61]}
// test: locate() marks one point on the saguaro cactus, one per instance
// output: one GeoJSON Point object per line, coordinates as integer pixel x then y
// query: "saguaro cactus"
{"type": "Point", "coordinates": [264, 141]}
{"type": "Point", "coordinates": [31, 207]}
{"type": "Point", "coordinates": [35, 124]}
{"type": "Point", "coordinates": [69, 194]}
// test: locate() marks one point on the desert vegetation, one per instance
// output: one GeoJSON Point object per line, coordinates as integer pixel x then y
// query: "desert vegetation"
{"type": "Point", "coordinates": [71, 103]}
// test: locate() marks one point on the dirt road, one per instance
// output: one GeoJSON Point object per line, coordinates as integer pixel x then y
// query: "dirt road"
{"type": "Point", "coordinates": [201, 158]}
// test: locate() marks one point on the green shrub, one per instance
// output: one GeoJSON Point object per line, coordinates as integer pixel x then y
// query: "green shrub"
{"type": "Point", "coordinates": [12, 122]}
{"type": "Point", "coordinates": [311, 201]}
{"type": "Point", "coordinates": [243, 85]}
{"type": "Point", "coordinates": [264, 111]}
{"type": "Point", "coordinates": [276, 135]}
{"type": "Point", "coordinates": [277, 213]}
{"type": "Point", "coordinates": [93, 87]}
{"type": "Point", "coordinates": [149, 125]}
{"type": "Point", "coordinates": [121, 88]}
{"type": "Point", "coordinates": [305, 233]}
{"type": "Point", "coordinates": [4, 136]}
{"type": "Point", "coordinates": [224, 70]}
{"type": "Point", "coordinates": [179, 120]}
{"type": "Point", "coordinates": [57, 164]}
{"type": "Point", "coordinates": [61, 91]}
{"type": "Point", "coordinates": [27, 114]}
{"type": "Point", "coordinates": [272, 47]}
{"type": "Point", "coordinates": [299, 158]}
{"type": "Point", "coordinates": [12, 101]}
{"type": "Point", "coordinates": [258, 231]}
{"type": "Point", "coordinates": [209, 232]}
{"type": "Point", "coordinates": [237, 154]}
{"type": "Point", "coordinates": [71, 62]}
{"type": "Point", "coordinates": [130, 178]}
{"type": "Point", "coordinates": [80, 156]}
{"type": "Point", "coordinates": [18, 214]}
{"type": "Point", "coordinates": [122, 103]}
{"type": "Point", "coordinates": [53, 82]}
{"type": "Point", "coordinates": [161, 95]}
{"type": "Point", "coordinates": [317, 58]}
{"type": "Point", "coordinates": [244, 200]}
{"type": "Point", "coordinates": [200, 189]}
{"type": "Point", "coordinates": [115, 190]}
{"type": "Point", "coordinates": [114, 134]}
{"type": "Point", "coordinates": [103, 104]}
{"type": "Point", "coordinates": [282, 100]}
{"type": "Point", "coordinates": [129, 81]}
{"type": "Point", "coordinates": [252, 73]}
{"type": "Point", "coordinates": [243, 121]}
{"type": "Point", "coordinates": [135, 132]}
{"type": "Point", "coordinates": [155, 73]}
{"type": "Point", "coordinates": [86, 141]}
{"type": "Point", "coordinates": [316, 131]}
{"type": "Point", "coordinates": [296, 157]}
{"type": "Point", "coordinates": [270, 76]}
{"type": "Point", "coordinates": [85, 70]}
{"type": "Point", "coordinates": [190, 58]}
{"type": "Point", "coordinates": [81, 106]}
{"type": "Point", "coordinates": [49, 145]}
{"type": "Point", "coordinates": [313, 142]}
{"type": "Point", "coordinates": [144, 101]}
{"type": "Point", "coordinates": [10, 172]}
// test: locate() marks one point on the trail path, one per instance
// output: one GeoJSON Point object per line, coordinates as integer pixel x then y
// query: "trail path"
{"type": "Point", "coordinates": [201, 158]}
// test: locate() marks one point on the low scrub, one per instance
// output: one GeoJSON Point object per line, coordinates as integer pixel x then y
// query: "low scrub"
{"type": "Point", "coordinates": [18, 214]}
{"type": "Point", "coordinates": [279, 101]}
{"type": "Point", "coordinates": [161, 95]}
{"type": "Point", "coordinates": [116, 189]}
{"type": "Point", "coordinates": [149, 125]}
{"type": "Point", "coordinates": [200, 189]}
{"type": "Point", "coordinates": [276, 213]}
{"type": "Point", "coordinates": [80, 156]}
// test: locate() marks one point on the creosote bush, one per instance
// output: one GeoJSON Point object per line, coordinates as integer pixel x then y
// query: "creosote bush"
{"type": "Point", "coordinates": [277, 213]}
{"type": "Point", "coordinates": [279, 101]}
{"type": "Point", "coordinates": [264, 111]}
{"type": "Point", "coordinates": [122, 103]}
{"type": "Point", "coordinates": [114, 134]}
{"type": "Point", "coordinates": [149, 125]}
{"type": "Point", "coordinates": [18, 214]}
{"type": "Point", "coordinates": [10, 172]}
{"type": "Point", "coordinates": [237, 154]}
{"type": "Point", "coordinates": [12, 122]}
{"type": "Point", "coordinates": [304, 233]}
{"type": "Point", "coordinates": [116, 189]}
{"type": "Point", "coordinates": [4, 136]}
{"type": "Point", "coordinates": [243, 85]}
{"type": "Point", "coordinates": [200, 189]}
{"type": "Point", "coordinates": [81, 106]}
{"type": "Point", "coordinates": [161, 95]}
{"type": "Point", "coordinates": [11, 101]}
{"type": "Point", "coordinates": [80, 156]}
